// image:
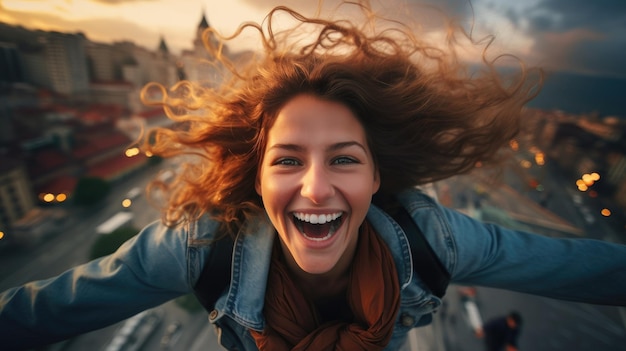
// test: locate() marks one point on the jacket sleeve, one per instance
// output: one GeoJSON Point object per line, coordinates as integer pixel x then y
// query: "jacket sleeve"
{"type": "Point", "coordinates": [575, 269]}
{"type": "Point", "coordinates": [148, 270]}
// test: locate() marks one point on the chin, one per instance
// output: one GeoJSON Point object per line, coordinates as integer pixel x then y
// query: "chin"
{"type": "Point", "coordinates": [316, 267]}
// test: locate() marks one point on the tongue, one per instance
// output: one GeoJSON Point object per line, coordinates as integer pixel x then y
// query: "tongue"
{"type": "Point", "coordinates": [316, 230]}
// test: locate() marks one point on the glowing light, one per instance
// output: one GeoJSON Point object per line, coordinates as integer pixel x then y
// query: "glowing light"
{"type": "Point", "coordinates": [149, 154]}
{"type": "Point", "coordinates": [1, 235]}
{"type": "Point", "coordinates": [514, 145]}
{"type": "Point", "coordinates": [583, 187]}
{"type": "Point", "coordinates": [133, 151]}
{"type": "Point", "coordinates": [540, 159]}
{"type": "Point", "coordinates": [525, 164]}
{"type": "Point", "coordinates": [588, 179]}
{"type": "Point", "coordinates": [595, 176]}
{"type": "Point", "coordinates": [48, 198]}
{"type": "Point", "coordinates": [61, 197]}
{"type": "Point", "coordinates": [605, 212]}
{"type": "Point", "coordinates": [126, 203]}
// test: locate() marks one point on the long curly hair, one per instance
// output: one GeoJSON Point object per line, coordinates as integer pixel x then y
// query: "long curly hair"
{"type": "Point", "coordinates": [427, 115]}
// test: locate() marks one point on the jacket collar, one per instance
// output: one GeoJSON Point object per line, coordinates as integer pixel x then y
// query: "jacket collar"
{"type": "Point", "coordinates": [251, 262]}
{"type": "Point", "coordinates": [396, 240]}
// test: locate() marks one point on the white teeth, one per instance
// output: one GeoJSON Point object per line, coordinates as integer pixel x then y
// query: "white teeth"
{"type": "Point", "coordinates": [317, 219]}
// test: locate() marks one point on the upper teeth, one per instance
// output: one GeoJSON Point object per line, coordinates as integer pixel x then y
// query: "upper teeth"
{"type": "Point", "coordinates": [317, 219]}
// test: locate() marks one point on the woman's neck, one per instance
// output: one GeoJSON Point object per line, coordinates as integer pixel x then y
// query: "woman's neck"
{"type": "Point", "coordinates": [321, 286]}
{"type": "Point", "coordinates": [324, 285]}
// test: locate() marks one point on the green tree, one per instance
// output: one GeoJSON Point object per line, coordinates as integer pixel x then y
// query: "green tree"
{"type": "Point", "coordinates": [189, 303]}
{"type": "Point", "coordinates": [107, 244]}
{"type": "Point", "coordinates": [155, 160]}
{"type": "Point", "coordinates": [90, 190]}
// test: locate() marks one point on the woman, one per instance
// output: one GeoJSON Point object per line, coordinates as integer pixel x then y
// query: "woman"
{"type": "Point", "coordinates": [288, 156]}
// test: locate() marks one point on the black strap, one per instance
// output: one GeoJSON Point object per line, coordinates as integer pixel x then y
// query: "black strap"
{"type": "Point", "coordinates": [425, 262]}
{"type": "Point", "coordinates": [215, 276]}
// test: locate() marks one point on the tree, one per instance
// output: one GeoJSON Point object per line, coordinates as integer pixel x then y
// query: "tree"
{"type": "Point", "coordinates": [90, 190]}
{"type": "Point", "coordinates": [107, 244]}
{"type": "Point", "coordinates": [189, 303]}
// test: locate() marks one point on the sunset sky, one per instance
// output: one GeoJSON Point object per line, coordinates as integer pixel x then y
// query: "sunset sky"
{"type": "Point", "coordinates": [581, 36]}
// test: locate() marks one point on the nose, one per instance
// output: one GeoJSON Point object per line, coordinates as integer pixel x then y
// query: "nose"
{"type": "Point", "coordinates": [317, 184]}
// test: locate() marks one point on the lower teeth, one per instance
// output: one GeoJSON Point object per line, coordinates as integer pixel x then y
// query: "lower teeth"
{"type": "Point", "coordinates": [319, 239]}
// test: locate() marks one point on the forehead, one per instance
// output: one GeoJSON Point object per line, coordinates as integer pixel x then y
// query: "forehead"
{"type": "Point", "coordinates": [310, 115]}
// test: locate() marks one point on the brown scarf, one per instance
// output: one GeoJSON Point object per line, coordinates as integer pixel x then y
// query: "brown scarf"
{"type": "Point", "coordinates": [373, 296]}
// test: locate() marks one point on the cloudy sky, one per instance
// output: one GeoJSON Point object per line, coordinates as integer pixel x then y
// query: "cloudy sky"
{"type": "Point", "coordinates": [583, 36]}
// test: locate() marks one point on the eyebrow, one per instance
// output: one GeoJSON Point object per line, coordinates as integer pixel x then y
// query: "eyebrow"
{"type": "Point", "coordinates": [333, 147]}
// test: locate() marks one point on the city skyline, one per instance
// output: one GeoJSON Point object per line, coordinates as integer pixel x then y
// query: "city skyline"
{"type": "Point", "coordinates": [578, 36]}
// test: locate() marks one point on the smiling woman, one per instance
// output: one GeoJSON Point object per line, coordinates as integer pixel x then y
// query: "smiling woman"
{"type": "Point", "coordinates": [317, 164]}
{"type": "Point", "coordinates": [303, 157]}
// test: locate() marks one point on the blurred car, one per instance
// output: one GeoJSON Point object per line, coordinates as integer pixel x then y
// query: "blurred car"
{"type": "Point", "coordinates": [171, 334]}
{"type": "Point", "coordinates": [133, 193]}
{"type": "Point", "coordinates": [135, 331]}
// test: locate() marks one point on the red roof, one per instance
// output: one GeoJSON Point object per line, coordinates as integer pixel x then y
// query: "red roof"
{"type": "Point", "coordinates": [115, 166]}
{"type": "Point", "coordinates": [102, 113]}
{"type": "Point", "coordinates": [46, 160]}
{"type": "Point", "coordinates": [152, 113]}
{"type": "Point", "coordinates": [98, 143]}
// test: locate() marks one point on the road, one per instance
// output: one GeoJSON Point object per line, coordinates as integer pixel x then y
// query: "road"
{"type": "Point", "coordinates": [548, 324]}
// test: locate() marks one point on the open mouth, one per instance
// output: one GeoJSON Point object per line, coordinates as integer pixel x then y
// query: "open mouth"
{"type": "Point", "coordinates": [318, 227]}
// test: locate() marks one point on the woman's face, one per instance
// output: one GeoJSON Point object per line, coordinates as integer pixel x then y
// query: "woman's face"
{"type": "Point", "coordinates": [316, 180]}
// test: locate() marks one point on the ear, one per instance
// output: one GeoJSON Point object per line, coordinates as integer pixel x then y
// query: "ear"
{"type": "Point", "coordinates": [376, 184]}
{"type": "Point", "coordinates": [257, 185]}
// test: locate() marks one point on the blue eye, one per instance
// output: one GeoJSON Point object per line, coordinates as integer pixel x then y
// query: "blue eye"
{"type": "Point", "coordinates": [287, 162]}
{"type": "Point", "coordinates": [344, 160]}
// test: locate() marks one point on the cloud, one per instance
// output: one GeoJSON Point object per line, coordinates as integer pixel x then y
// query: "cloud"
{"type": "Point", "coordinates": [584, 36]}
{"type": "Point", "coordinates": [97, 29]}
{"type": "Point", "coordinates": [574, 35]}
{"type": "Point", "coordinates": [565, 15]}
{"type": "Point", "coordinates": [118, 2]}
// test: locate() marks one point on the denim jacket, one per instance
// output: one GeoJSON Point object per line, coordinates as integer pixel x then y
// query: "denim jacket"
{"type": "Point", "coordinates": [161, 263]}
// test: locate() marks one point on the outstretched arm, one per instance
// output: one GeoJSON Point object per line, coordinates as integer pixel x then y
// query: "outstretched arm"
{"type": "Point", "coordinates": [146, 271]}
{"type": "Point", "coordinates": [582, 270]}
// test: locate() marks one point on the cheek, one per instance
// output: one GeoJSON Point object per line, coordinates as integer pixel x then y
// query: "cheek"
{"type": "Point", "coordinates": [358, 192]}
{"type": "Point", "coordinates": [273, 195]}
{"type": "Point", "coordinates": [362, 187]}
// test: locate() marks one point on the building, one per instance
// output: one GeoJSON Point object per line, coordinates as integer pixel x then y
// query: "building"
{"type": "Point", "coordinates": [198, 63]}
{"type": "Point", "coordinates": [11, 69]}
{"type": "Point", "coordinates": [65, 63]}
{"type": "Point", "coordinates": [16, 195]}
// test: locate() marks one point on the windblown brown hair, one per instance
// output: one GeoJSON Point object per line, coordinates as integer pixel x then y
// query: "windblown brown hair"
{"type": "Point", "coordinates": [427, 116]}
